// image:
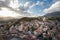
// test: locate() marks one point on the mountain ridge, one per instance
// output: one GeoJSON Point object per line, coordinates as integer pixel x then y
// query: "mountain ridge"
{"type": "Point", "coordinates": [54, 14]}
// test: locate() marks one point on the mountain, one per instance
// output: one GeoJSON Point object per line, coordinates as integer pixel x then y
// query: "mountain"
{"type": "Point", "coordinates": [54, 14]}
{"type": "Point", "coordinates": [28, 18]}
{"type": "Point", "coordinates": [8, 18]}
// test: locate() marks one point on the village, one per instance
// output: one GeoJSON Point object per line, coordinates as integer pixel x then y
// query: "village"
{"type": "Point", "coordinates": [31, 30]}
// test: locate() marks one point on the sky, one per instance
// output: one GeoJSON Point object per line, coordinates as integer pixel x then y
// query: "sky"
{"type": "Point", "coordinates": [28, 8]}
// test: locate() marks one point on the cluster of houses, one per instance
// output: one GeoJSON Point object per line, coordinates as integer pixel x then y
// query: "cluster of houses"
{"type": "Point", "coordinates": [34, 30]}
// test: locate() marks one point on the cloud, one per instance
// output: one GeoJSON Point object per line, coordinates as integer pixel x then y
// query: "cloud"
{"type": "Point", "coordinates": [40, 3]}
{"type": "Point", "coordinates": [2, 0]}
{"type": "Point", "coordinates": [37, 3]}
{"type": "Point", "coordinates": [28, 11]}
{"type": "Point", "coordinates": [14, 4]}
{"type": "Point", "coordinates": [9, 9]}
{"type": "Point", "coordinates": [55, 0]}
{"type": "Point", "coordinates": [54, 7]}
{"type": "Point", "coordinates": [4, 3]}
{"type": "Point", "coordinates": [27, 5]}
{"type": "Point", "coordinates": [5, 12]}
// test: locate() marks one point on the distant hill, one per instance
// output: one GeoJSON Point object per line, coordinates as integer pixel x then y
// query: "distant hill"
{"type": "Point", "coordinates": [54, 14]}
{"type": "Point", "coordinates": [16, 21]}
{"type": "Point", "coordinates": [29, 18]}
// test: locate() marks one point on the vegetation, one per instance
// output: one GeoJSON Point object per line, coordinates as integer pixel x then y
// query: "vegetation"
{"type": "Point", "coordinates": [54, 18]}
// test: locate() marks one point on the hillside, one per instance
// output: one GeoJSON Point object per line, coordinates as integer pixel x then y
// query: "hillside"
{"type": "Point", "coordinates": [54, 14]}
